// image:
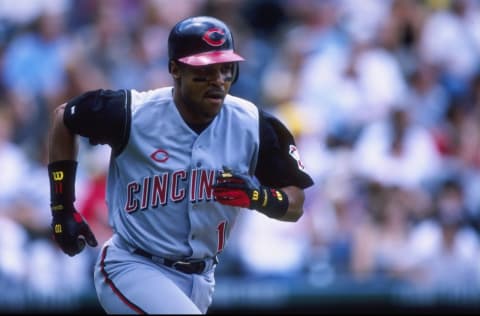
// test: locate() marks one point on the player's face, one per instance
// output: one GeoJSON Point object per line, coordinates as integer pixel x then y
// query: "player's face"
{"type": "Point", "coordinates": [201, 90]}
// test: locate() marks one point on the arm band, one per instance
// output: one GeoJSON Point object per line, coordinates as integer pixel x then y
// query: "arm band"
{"type": "Point", "coordinates": [271, 202]}
{"type": "Point", "coordinates": [62, 183]}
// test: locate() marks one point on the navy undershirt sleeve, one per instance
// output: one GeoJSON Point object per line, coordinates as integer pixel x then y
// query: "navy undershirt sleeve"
{"type": "Point", "coordinates": [277, 166]}
{"type": "Point", "coordinates": [102, 116]}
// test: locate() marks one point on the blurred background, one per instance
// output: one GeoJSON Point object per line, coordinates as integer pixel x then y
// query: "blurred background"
{"type": "Point", "coordinates": [383, 97]}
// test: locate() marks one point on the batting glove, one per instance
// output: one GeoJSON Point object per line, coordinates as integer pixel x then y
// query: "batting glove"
{"type": "Point", "coordinates": [70, 230]}
{"type": "Point", "coordinates": [241, 190]}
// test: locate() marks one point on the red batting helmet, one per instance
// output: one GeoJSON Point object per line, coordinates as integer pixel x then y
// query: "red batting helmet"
{"type": "Point", "coordinates": [201, 40]}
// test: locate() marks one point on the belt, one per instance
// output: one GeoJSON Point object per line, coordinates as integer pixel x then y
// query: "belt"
{"type": "Point", "coordinates": [190, 267]}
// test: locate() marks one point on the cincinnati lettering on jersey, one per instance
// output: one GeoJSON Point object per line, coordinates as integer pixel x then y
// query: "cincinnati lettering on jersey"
{"type": "Point", "coordinates": [156, 190]}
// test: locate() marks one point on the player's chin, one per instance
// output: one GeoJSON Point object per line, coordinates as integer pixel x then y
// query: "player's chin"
{"type": "Point", "coordinates": [213, 105]}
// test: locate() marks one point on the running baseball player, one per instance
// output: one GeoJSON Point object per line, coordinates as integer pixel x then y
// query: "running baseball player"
{"type": "Point", "coordinates": [186, 160]}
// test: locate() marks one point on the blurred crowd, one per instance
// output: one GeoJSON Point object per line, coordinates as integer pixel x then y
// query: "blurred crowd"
{"type": "Point", "coordinates": [383, 97]}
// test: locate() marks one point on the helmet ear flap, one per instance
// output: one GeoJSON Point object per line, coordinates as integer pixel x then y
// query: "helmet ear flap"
{"type": "Point", "coordinates": [236, 70]}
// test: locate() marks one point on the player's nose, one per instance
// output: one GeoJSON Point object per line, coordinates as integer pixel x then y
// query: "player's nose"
{"type": "Point", "coordinates": [218, 78]}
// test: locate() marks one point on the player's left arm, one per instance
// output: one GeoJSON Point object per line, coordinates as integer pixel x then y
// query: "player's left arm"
{"type": "Point", "coordinates": [277, 190]}
{"type": "Point", "coordinates": [296, 197]}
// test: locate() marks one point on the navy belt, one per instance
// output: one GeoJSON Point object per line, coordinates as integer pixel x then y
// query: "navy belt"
{"type": "Point", "coordinates": [190, 267]}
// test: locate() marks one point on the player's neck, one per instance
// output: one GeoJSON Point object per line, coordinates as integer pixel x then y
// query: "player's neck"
{"type": "Point", "coordinates": [192, 115]}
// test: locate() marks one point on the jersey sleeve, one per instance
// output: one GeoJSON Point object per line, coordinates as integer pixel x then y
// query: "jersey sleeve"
{"type": "Point", "coordinates": [279, 163]}
{"type": "Point", "coordinates": [102, 116]}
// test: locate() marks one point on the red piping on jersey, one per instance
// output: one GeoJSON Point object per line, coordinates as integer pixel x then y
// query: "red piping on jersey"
{"type": "Point", "coordinates": [115, 290]}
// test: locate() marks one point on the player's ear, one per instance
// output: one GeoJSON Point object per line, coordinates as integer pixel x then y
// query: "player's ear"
{"type": "Point", "coordinates": [174, 69]}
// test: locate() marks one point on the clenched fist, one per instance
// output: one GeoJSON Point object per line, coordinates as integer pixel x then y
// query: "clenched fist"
{"type": "Point", "coordinates": [71, 231]}
{"type": "Point", "coordinates": [241, 190]}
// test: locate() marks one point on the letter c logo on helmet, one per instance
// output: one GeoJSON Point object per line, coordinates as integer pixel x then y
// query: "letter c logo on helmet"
{"type": "Point", "coordinates": [214, 37]}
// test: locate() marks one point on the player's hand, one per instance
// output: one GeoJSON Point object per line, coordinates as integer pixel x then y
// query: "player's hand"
{"type": "Point", "coordinates": [71, 232]}
{"type": "Point", "coordinates": [241, 190]}
{"type": "Point", "coordinates": [236, 190]}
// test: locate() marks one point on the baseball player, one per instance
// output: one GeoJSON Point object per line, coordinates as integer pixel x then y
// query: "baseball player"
{"type": "Point", "coordinates": [186, 160]}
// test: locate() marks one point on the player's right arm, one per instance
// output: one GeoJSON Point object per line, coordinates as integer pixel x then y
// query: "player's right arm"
{"type": "Point", "coordinates": [102, 117]}
{"type": "Point", "coordinates": [62, 143]}
{"type": "Point", "coordinates": [69, 228]}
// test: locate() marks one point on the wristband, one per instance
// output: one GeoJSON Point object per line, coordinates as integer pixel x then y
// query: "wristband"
{"type": "Point", "coordinates": [271, 202]}
{"type": "Point", "coordinates": [62, 183]}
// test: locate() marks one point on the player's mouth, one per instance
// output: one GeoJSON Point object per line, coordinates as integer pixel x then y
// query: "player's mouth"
{"type": "Point", "coordinates": [215, 97]}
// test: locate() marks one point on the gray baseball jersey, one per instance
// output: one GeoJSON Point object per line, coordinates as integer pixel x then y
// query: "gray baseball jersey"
{"type": "Point", "coordinates": [158, 188]}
